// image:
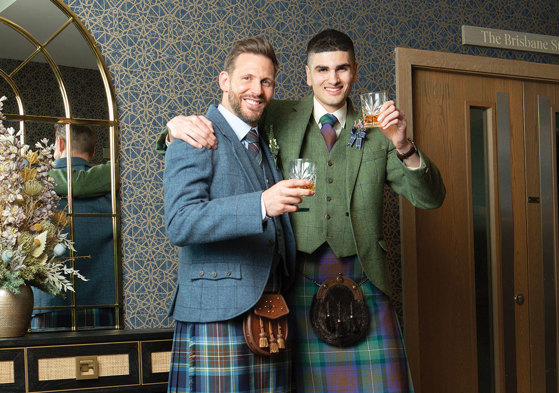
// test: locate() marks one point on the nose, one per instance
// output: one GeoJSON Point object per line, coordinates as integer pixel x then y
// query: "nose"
{"type": "Point", "coordinates": [333, 77]}
{"type": "Point", "coordinates": [256, 87]}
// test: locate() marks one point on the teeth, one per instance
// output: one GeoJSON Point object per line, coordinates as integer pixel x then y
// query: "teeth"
{"type": "Point", "coordinates": [252, 102]}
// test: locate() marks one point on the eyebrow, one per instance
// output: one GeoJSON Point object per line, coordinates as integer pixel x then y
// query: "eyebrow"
{"type": "Point", "coordinates": [344, 65]}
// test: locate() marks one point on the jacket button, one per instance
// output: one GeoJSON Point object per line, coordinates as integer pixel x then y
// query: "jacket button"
{"type": "Point", "coordinates": [201, 273]}
{"type": "Point", "coordinates": [214, 274]}
{"type": "Point", "coordinates": [328, 216]}
{"type": "Point", "coordinates": [330, 163]}
{"type": "Point", "coordinates": [228, 273]}
{"type": "Point", "coordinates": [330, 180]}
{"type": "Point", "coordinates": [328, 198]}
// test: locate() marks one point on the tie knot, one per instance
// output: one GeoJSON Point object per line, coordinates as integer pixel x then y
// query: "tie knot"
{"type": "Point", "coordinates": [328, 119]}
{"type": "Point", "coordinates": [252, 136]}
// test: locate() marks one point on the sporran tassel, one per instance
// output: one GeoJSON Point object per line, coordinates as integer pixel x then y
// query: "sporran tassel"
{"type": "Point", "coordinates": [263, 341]}
{"type": "Point", "coordinates": [273, 343]}
{"type": "Point", "coordinates": [281, 340]}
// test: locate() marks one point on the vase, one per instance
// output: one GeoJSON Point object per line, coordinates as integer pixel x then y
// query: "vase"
{"type": "Point", "coordinates": [15, 311]}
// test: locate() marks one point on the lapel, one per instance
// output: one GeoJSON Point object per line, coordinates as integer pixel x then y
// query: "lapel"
{"type": "Point", "coordinates": [353, 156]}
{"type": "Point", "coordinates": [291, 140]}
{"type": "Point", "coordinates": [268, 159]}
{"type": "Point", "coordinates": [247, 162]}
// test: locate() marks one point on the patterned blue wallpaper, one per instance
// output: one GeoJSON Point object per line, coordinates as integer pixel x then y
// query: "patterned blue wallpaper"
{"type": "Point", "coordinates": [164, 56]}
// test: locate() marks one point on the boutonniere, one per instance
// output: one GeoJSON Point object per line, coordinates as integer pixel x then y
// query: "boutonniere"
{"type": "Point", "coordinates": [357, 134]}
{"type": "Point", "coordinates": [273, 145]}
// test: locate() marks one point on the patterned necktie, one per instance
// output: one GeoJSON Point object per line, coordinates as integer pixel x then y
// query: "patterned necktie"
{"type": "Point", "coordinates": [253, 145]}
{"type": "Point", "coordinates": [327, 123]}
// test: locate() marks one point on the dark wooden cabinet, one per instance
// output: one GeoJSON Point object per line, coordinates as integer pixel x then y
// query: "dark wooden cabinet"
{"type": "Point", "coordinates": [93, 361]}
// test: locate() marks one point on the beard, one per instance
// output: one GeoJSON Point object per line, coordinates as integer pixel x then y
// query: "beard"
{"type": "Point", "coordinates": [249, 117]}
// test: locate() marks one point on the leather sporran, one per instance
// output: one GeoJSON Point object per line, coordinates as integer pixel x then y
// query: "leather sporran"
{"type": "Point", "coordinates": [265, 327]}
{"type": "Point", "coordinates": [338, 314]}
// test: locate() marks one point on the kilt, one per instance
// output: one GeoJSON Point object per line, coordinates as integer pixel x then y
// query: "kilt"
{"type": "Point", "coordinates": [214, 357]}
{"type": "Point", "coordinates": [377, 364]}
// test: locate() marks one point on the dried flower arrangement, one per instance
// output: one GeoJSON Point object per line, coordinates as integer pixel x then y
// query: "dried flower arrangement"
{"type": "Point", "coordinates": [32, 237]}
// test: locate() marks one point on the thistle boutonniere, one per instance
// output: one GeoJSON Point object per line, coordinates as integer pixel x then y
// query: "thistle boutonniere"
{"type": "Point", "coordinates": [273, 145]}
{"type": "Point", "coordinates": [358, 132]}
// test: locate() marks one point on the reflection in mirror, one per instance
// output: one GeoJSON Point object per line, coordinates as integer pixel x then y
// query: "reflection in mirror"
{"type": "Point", "coordinates": [54, 78]}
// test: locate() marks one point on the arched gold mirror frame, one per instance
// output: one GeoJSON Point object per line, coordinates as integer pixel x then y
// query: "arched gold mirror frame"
{"type": "Point", "coordinates": [111, 123]}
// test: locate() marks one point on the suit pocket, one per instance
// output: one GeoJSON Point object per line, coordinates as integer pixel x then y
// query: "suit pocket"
{"type": "Point", "coordinates": [215, 271]}
{"type": "Point", "coordinates": [374, 155]}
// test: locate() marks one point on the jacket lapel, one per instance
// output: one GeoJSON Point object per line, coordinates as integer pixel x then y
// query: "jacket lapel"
{"type": "Point", "coordinates": [291, 140]}
{"type": "Point", "coordinates": [250, 167]}
{"type": "Point", "coordinates": [353, 155]}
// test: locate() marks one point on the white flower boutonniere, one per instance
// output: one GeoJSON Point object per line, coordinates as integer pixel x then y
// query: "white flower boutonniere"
{"type": "Point", "coordinates": [358, 133]}
{"type": "Point", "coordinates": [273, 145]}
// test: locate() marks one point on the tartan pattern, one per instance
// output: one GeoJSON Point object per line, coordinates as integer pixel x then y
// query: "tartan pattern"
{"type": "Point", "coordinates": [253, 145]}
{"type": "Point", "coordinates": [214, 358]}
{"type": "Point", "coordinates": [377, 364]}
{"type": "Point", "coordinates": [327, 122]}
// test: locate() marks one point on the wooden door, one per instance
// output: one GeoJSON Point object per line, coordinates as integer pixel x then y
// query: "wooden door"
{"type": "Point", "coordinates": [479, 273]}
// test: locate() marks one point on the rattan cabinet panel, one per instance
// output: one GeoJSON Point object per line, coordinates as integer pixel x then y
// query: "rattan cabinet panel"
{"type": "Point", "coordinates": [105, 361]}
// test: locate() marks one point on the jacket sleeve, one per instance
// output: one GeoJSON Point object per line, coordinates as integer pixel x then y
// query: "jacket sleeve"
{"type": "Point", "coordinates": [423, 187]}
{"type": "Point", "coordinates": [161, 145]}
{"type": "Point", "coordinates": [192, 214]}
{"type": "Point", "coordinates": [85, 184]}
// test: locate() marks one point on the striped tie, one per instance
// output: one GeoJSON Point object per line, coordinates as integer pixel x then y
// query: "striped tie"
{"type": "Point", "coordinates": [327, 123]}
{"type": "Point", "coordinates": [252, 139]}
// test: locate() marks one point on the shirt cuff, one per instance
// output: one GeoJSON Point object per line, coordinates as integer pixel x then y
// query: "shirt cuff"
{"type": "Point", "coordinates": [263, 208]}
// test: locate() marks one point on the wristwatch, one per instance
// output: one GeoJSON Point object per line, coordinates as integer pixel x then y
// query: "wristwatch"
{"type": "Point", "coordinates": [407, 154]}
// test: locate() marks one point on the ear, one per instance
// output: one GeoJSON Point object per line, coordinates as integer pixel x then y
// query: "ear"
{"type": "Point", "coordinates": [308, 70]}
{"type": "Point", "coordinates": [224, 81]}
{"type": "Point", "coordinates": [354, 73]}
{"type": "Point", "coordinates": [60, 144]}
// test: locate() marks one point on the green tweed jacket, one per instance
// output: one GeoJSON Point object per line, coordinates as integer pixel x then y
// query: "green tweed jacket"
{"type": "Point", "coordinates": [367, 170]}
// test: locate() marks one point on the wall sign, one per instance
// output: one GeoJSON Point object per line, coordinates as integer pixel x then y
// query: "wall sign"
{"type": "Point", "coordinates": [505, 39]}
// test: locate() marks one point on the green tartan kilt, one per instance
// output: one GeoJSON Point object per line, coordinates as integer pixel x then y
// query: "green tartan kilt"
{"type": "Point", "coordinates": [377, 364]}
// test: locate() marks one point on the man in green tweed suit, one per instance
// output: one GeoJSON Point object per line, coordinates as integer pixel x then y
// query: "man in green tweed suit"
{"type": "Point", "coordinates": [341, 231]}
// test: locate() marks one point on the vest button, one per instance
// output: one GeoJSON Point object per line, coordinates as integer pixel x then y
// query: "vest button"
{"type": "Point", "coordinates": [328, 198]}
{"type": "Point", "coordinates": [328, 216]}
{"type": "Point", "coordinates": [330, 180]}
{"type": "Point", "coordinates": [330, 163]}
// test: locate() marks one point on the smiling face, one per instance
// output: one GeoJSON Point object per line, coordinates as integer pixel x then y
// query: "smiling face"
{"type": "Point", "coordinates": [249, 87]}
{"type": "Point", "coordinates": [331, 76]}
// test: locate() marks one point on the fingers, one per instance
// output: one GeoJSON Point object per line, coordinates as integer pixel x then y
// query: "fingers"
{"type": "Point", "coordinates": [194, 130]}
{"type": "Point", "coordinates": [284, 196]}
{"type": "Point", "coordinates": [390, 115]}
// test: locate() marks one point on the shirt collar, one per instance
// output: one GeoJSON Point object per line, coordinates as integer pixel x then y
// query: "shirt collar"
{"type": "Point", "coordinates": [341, 115]}
{"type": "Point", "coordinates": [240, 128]}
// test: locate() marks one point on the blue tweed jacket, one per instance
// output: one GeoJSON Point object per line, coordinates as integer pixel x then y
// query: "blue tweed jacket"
{"type": "Point", "coordinates": [213, 212]}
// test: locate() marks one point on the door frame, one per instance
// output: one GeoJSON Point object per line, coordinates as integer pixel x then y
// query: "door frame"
{"type": "Point", "coordinates": [406, 61]}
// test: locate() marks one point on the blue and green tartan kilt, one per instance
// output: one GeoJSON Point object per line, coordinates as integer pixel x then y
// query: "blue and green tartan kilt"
{"type": "Point", "coordinates": [378, 364]}
{"type": "Point", "coordinates": [214, 357]}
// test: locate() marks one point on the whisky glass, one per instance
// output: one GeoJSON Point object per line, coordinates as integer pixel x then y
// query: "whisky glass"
{"type": "Point", "coordinates": [371, 103]}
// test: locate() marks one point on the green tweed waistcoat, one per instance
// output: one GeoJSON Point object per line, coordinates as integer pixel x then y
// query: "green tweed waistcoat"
{"type": "Point", "coordinates": [327, 218]}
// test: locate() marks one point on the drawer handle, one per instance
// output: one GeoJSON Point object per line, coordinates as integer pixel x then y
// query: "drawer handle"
{"type": "Point", "coordinates": [87, 367]}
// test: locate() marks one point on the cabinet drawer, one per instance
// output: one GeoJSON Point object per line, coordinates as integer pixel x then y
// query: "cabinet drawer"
{"type": "Point", "coordinates": [83, 366]}
{"type": "Point", "coordinates": [12, 369]}
{"type": "Point", "coordinates": [156, 361]}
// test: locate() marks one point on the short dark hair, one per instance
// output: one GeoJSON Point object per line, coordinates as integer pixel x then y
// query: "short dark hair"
{"type": "Point", "coordinates": [254, 45]}
{"type": "Point", "coordinates": [331, 40]}
{"type": "Point", "coordinates": [83, 137]}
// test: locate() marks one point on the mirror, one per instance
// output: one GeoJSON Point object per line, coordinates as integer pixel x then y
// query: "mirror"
{"type": "Point", "coordinates": [53, 76]}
